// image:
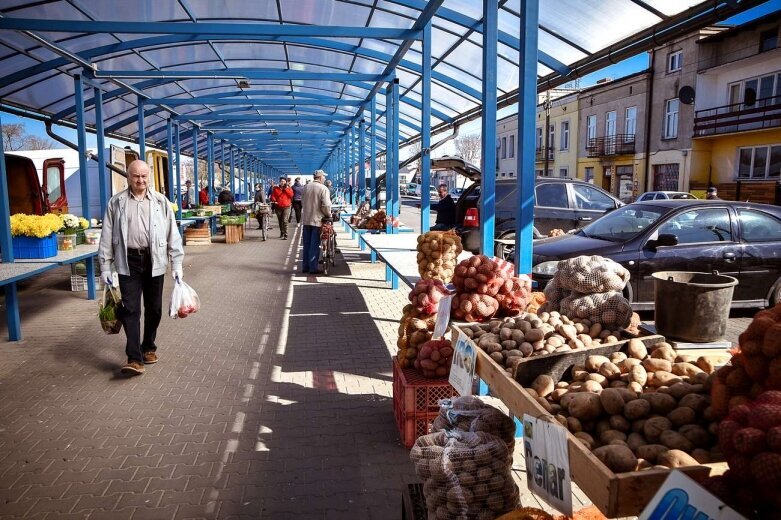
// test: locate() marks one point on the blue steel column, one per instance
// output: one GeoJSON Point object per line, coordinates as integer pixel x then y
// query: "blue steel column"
{"type": "Point", "coordinates": [388, 148]}
{"type": "Point", "coordinates": [373, 153]}
{"type": "Point", "coordinates": [351, 162]}
{"type": "Point", "coordinates": [196, 200]}
{"type": "Point", "coordinates": [100, 131]}
{"type": "Point", "coordinates": [362, 159]}
{"type": "Point", "coordinates": [395, 187]}
{"type": "Point", "coordinates": [527, 107]}
{"type": "Point", "coordinates": [246, 187]}
{"type": "Point", "coordinates": [425, 134]}
{"type": "Point", "coordinates": [170, 158]}
{"type": "Point", "coordinates": [141, 130]}
{"type": "Point", "coordinates": [7, 250]}
{"type": "Point", "coordinates": [345, 176]}
{"type": "Point", "coordinates": [488, 184]}
{"type": "Point", "coordinates": [178, 173]}
{"type": "Point", "coordinates": [81, 132]}
{"type": "Point", "coordinates": [210, 165]}
{"type": "Point", "coordinates": [222, 163]}
{"type": "Point", "coordinates": [233, 172]}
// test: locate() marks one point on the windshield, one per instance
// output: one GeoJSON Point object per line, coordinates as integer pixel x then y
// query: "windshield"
{"type": "Point", "coordinates": [624, 223]}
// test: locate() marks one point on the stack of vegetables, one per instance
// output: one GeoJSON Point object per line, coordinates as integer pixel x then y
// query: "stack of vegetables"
{"type": "Point", "coordinates": [486, 287]}
{"type": "Point", "coordinates": [437, 254]}
{"type": "Point", "coordinates": [376, 221]}
{"type": "Point", "coordinates": [415, 329]}
{"type": "Point", "coordinates": [590, 287]}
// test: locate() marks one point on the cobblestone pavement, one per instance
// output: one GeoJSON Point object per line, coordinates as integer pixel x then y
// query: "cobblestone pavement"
{"type": "Point", "coordinates": [274, 401]}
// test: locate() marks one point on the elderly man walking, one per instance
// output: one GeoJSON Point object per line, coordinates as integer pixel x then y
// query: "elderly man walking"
{"type": "Point", "coordinates": [316, 205]}
{"type": "Point", "coordinates": [140, 237]}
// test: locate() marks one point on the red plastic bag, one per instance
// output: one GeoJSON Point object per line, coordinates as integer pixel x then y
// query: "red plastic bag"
{"type": "Point", "coordinates": [184, 301]}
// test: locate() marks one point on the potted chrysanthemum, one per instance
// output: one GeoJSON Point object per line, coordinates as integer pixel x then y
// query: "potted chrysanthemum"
{"type": "Point", "coordinates": [67, 238]}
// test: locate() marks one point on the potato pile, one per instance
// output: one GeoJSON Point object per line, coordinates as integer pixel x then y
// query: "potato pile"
{"type": "Point", "coordinates": [486, 287]}
{"type": "Point", "coordinates": [470, 414]}
{"type": "Point", "coordinates": [751, 441]}
{"type": "Point", "coordinates": [426, 294]}
{"type": "Point", "coordinates": [637, 409]}
{"type": "Point", "coordinates": [537, 301]}
{"type": "Point", "coordinates": [510, 340]}
{"type": "Point", "coordinates": [556, 232]}
{"type": "Point", "coordinates": [437, 253]}
{"type": "Point", "coordinates": [590, 287]}
{"type": "Point", "coordinates": [434, 358]}
{"type": "Point", "coordinates": [377, 220]}
{"type": "Point", "coordinates": [756, 368]}
{"type": "Point", "coordinates": [414, 330]}
{"type": "Point", "coordinates": [466, 475]}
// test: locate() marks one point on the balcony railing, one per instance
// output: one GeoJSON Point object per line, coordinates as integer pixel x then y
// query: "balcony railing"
{"type": "Point", "coordinates": [618, 144]}
{"type": "Point", "coordinates": [727, 119]}
{"type": "Point", "coordinates": [541, 153]}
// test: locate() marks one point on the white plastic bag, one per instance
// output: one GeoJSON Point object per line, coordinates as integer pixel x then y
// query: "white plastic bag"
{"type": "Point", "coordinates": [184, 301]}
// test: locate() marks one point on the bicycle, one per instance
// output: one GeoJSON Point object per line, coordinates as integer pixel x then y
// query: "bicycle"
{"type": "Point", "coordinates": [327, 243]}
{"type": "Point", "coordinates": [263, 214]}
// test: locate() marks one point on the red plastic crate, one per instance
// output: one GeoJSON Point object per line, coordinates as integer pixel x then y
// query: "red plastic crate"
{"type": "Point", "coordinates": [416, 402]}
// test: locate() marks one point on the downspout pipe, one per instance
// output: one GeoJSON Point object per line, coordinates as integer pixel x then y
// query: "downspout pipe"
{"type": "Point", "coordinates": [434, 146]}
{"type": "Point", "coordinates": [73, 146]}
{"type": "Point", "coordinates": [648, 104]}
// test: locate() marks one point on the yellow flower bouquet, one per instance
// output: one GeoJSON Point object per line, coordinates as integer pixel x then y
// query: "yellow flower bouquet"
{"type": "Point", "coordinates": [38, 226]}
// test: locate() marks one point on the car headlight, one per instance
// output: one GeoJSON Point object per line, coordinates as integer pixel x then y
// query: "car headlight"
{"type": "Point", "coordinates": [546, 268]}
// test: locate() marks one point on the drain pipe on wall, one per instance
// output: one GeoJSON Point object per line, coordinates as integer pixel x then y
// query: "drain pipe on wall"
{"type": "Point", "coordinates": [69, 144]}
{"type": "Point", "coordinates": [648, 105]}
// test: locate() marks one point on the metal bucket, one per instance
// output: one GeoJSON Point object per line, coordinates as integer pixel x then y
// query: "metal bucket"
{"type": "Point", "coordinates": [692, 306]}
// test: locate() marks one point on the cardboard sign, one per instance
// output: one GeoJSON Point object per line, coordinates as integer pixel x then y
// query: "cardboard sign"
{"type": "Point", "coordinates": [443, 316]}
{"type": "Point", "coordinates": [462, 370]}
{"type": "Point", "coordinates": [547, 462]}
{"type": "Point", "coordinates": [681, 498]}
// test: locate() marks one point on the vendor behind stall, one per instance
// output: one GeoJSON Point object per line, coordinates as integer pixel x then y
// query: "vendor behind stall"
{"type": "Point", "coordinates": [446, 210]}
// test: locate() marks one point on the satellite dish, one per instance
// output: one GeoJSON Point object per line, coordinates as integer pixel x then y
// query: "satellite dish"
{"type": "Point", "coordinates": [686, 95]}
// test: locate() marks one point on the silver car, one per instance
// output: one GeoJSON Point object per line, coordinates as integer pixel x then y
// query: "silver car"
{"type": "Point", "coordinates": [665, 195]}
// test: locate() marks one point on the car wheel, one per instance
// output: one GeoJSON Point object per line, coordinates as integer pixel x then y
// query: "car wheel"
{"type": "Point", "coordinates": [505, 251]}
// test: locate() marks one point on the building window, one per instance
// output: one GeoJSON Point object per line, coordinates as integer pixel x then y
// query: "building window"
{"type": "Point", "coordinates": [674, 61]}
{"type": "Point", "coordinates": [563, 172]}
{"type": "Point", "coordinates": [630, 124]}
{"type": "Point", "coordinates": [538, 173]}
{"type": "Point", "coordinates": [511, 150]}
{"type": "Point", "coordinates": [539, 138]}
{"type": "Point", "coordinates": [565, 135]}
{"type": "Point", "coordinates": [666, 177]}
{"type": "Point", "coordinates": [768, 40]}
{"type": "Point", "coordinates": [589, 172]}
{"type": "Point", "coordinates": [504, 148]}
{"type": "Point", "coordinates": [551, 135]}
{"type": "Point", "coordinates": [511, 174]}
{"type": "Point", "coordinates": [671, 118]}
{"type": "Point", "coordinates": [610, 123]}
{"type": "Point", "coordinates": [591, 127]}
{"type": "Point", "coordinates": [759, 162]}
{"type": "Point", "coordinates": [762, 91]}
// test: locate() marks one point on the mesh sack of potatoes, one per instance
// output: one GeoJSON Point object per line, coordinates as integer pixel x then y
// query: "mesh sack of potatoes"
{"type": "Point", "coordinates": [426, 294]}
{"type": "Point", "coordinates": [482, 275]}
{"type": "Point", "coordinates": [466, 475]}
{"type": "Point", "coordinates": [470, 414]}
{"type": "Point", "coordinates": [437, 253]}
{"type": "Point", "coordinates": [473, 307]}
{"type": "Point", "coordinates": [415, 329]}
{"type": "Point", "coordinates": [554, 294]}
{"type": "Point", "coordinates": [610, 309]}
{"type": "Point", "coordinates": [591, 274]}
{"type": "Point", "coordinates": [514, 295]}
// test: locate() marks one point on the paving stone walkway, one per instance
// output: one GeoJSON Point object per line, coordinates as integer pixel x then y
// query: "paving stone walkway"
{"type": "Point", "coordinates": [272, 402]}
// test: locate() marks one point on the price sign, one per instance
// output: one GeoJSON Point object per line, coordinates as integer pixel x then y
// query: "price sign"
{"type": "Point", "coordinates": [681, 497]}
{"type": "Point", "coordinates": [462, 370]}
{"type": "Point", "coordinates": [443, 316]}
{"type": "Point", "coordinates": [547, 462]}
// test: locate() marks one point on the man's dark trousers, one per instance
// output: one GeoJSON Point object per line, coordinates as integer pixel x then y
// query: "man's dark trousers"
{"type": "Point", "coordinates": [140, 282]}
{"type": "Point", "coordinates": [311, 254]}
{"type": "Point", "coordinates": [296, 210]}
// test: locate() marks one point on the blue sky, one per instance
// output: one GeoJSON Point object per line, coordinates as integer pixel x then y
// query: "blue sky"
{"type": "Point", "coordinates": [623, 68]}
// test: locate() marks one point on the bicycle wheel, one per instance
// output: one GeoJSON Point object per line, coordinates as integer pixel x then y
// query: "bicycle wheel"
{"type": "Point", "coordinates": [332, 250]}
{"type": "Point", "coordinates": [264, 227]}
{"type": "Point", "coordinates": [324, 251]}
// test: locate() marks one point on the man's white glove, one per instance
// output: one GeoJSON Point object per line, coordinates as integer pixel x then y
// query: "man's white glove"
{"type": "Point", "coordinates": [177, 274]}
{"type": "Point", "coordinates": [107, 278]}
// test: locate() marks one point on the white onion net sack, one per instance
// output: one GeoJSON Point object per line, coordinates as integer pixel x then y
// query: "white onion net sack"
{"type": "Point", "coordinates": [591, 274]}
{"type": "Point", "coordinates": [610, 309]}
{"type": "Point", "coordinates": [466, 475]}
{"type": "Point", "coordinates": [553, 296]}
{"type": "Point", "coordinates": [470, 414]}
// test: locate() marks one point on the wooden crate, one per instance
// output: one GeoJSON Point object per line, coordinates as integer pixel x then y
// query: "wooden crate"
{"type": "Point", "coordinates": [197, 236]}
{"type": "Point", "coordinates": [614, 494]}
{"type": "Point", "coordinates": [233, 233]}
{"type": "Point", "coordinates": [216, 210]}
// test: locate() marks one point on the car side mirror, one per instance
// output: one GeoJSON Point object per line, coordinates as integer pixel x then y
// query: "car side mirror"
{"type": "Point", "coordinates": [665, 239]}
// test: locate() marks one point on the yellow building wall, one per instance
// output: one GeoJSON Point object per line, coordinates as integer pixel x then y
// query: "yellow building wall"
{"type": "Point", "coordinates": [714, 159]}
{"type": "Point", "coordinates": [609, 183]}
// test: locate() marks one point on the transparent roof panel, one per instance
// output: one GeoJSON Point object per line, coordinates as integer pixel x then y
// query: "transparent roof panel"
{"type": "Point", "coordinates": [34, 77]}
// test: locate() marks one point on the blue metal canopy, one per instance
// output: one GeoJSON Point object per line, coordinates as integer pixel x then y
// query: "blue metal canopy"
{"type": "Point", "coordinates": [305, 71]}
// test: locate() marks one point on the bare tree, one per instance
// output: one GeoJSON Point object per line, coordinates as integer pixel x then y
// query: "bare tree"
{"type": "Point", "coordinates": [13, 137]}
{"type": "Point", "coordinates": [415, 149]}
{"type": "Point", "coordinates": [469, 147]}
{"type": "Point", "coordinates": [33, 142]}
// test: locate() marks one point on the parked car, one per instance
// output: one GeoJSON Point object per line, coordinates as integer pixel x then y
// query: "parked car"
{"type": "Point", "coordinates": [737, 239]}
{"type": "Point", "coordinates": [456, 193]}
{"type": "Point", "coordinates": [433, 193]}
{"type": "Point", "coordinates": [662, 195]}
{"type": "Point", "coordinates": [559, 204]}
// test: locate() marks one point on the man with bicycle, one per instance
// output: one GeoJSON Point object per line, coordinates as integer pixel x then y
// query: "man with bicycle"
{"type": "Point", "coordinates": [315, 206]}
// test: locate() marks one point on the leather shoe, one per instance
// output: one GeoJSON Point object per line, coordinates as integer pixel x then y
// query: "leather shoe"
{"type": "Point", "coordinates": [133, 368]}
{"type": "Point", "coordinates": [150, 357]}
{"type": "Point", "coordinates": [316, 272]}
